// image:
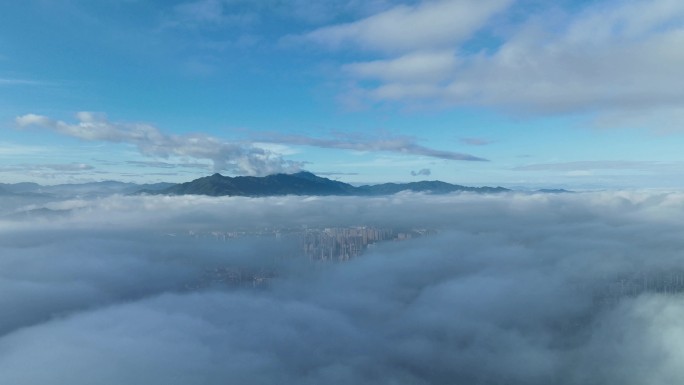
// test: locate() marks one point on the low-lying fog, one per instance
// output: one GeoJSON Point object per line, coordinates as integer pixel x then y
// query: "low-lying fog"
{"type": "Point", "coordinates": [579, 288]}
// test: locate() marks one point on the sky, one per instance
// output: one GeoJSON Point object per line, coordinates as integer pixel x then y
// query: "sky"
{"type": "Point", "coordinates": [523, 288]}
{"type": "Point", "coordinates": [517, 93]}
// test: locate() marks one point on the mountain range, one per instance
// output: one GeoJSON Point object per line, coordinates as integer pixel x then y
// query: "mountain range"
{"type": "Point", "coordinates": [91, 189]}
{"type": "Point", "coordinates": [304, 183]}
{"type": "Point", "coordinates": [301, 183]}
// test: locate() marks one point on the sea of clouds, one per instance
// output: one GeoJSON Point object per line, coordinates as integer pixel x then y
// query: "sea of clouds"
{"type": "Point", "coordinates": [511, 289]}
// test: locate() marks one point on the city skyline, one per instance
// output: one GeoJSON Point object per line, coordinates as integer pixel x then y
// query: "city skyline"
{"type": "Point", "coordinates": [574, 94]}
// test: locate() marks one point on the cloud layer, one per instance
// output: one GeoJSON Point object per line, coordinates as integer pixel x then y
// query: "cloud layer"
{"type": "Point", "coordinates": [614, 58]}
{"type": "Point", "coordinates": [392, 143]}
{"type": "Point", "coordinates": [515, 289]}
{"type": "Point", "coordinates": [150, 141]}
{"type": "Point", "coordinates": [412, 27]}
{"type": "Point", "coordinates": [261, 157]}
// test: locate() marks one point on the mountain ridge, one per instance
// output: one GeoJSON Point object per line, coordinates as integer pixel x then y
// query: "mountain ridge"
{"type": "Point", "coordinates": [87, 189]}
{"type": "Point", "coordinates": [305, 183]}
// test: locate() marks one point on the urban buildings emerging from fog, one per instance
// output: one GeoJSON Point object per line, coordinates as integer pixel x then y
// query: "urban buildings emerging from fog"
{"type": "Point", "coordinates": [225, 276]}
{"type": "Point", "coordinates": [344, 243]}
{"type": "Point", "coordinates": [333, 244]}
{"type": "Point", "coordinates": [324, 244]}
{"type": "Point", "coordinates": [633, 285]}
{"type": "Point", "coordinates": [339, 244]}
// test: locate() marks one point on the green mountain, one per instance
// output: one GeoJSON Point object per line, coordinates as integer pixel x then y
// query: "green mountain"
{"type": "Point", "coordinates": [304, 183]}
{"type": "Point", "coordinates": [91, 189]}
{"type": "Point", "coordinates": [434, 187]}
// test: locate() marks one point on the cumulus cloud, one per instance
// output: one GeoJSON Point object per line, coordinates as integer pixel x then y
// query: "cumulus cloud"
{"type": "Point", "coordinates": [150, 141]}
{"type": "Point", "coordinates": [619, 57]}
{"type": "Point", "coordinates": [514, 288]}
{"type": "Point", "coordinates": [614, 59]}
{"type": "Point", "coordinates": [394, 144]}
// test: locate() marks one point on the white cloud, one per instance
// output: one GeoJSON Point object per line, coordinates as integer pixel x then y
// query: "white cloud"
{"type": "Point", "coordinates": [603, 66]}
{"type": "Point", "coordinates": [416, 66]}
{"type": "Point", "coordinates": [150, 141]}
{"type": "Point", "coordinates": [664, 119]}
{"type": "Point", "coordinates": [262, 156]}
{"type": "Point", "coordinates": [276, 148]}
{"type": "Point", "coordinates": [389, 143]}
{"type": "Point", "coordinates": [615, 59]}
{"type": "Point", "coordinates": [516, 288]}
{"type": "Point", "coordinates": [405, 28]}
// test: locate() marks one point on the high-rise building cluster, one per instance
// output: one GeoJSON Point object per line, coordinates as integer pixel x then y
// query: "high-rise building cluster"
{"type": "Point", "coordinates": [332, 244]}
{"type": "Point", "coordinates": [668, 283]}
{"type": "Point", "coordinates": [343, 243]}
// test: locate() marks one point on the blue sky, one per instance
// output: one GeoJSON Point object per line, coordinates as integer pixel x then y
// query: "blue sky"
{"type": "Point", "coordinates": [527, 93]}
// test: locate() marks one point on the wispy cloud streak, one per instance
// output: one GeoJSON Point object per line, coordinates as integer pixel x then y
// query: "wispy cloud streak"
{"type": "Point", "coordinates": [150, 141]}
{"type": "Point", "coordinates": [394, 144]}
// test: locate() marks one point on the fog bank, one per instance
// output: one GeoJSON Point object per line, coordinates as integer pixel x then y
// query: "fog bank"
{"type": "Point", "coordinates": [508, 289]}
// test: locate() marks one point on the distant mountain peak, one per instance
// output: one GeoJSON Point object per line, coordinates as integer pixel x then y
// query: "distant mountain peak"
{"type": "Point", "coordinates": [305, 173]}
{"type": "Point", "coordinates": [307, 183]}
